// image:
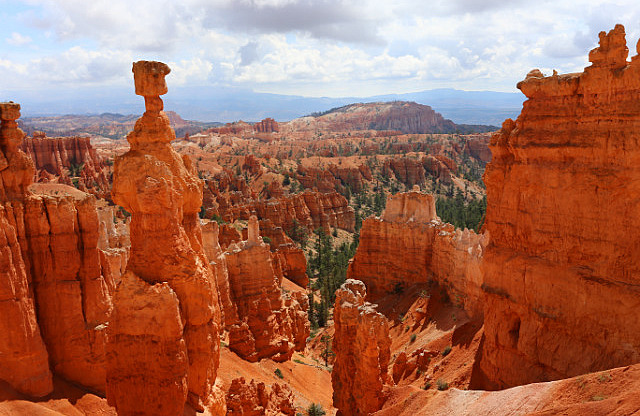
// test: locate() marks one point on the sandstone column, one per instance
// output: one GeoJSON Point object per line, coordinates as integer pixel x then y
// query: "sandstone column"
{"type": "Point", "coordinates": [162, 191]}
{"type": "Point", "coordinates": [362, 346]}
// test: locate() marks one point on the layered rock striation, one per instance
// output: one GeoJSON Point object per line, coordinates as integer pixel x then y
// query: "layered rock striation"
{"type": "Point", "coordinates": [362, 347]}
{"type": "Point", "coordinates": [407, 117]}
{"type": "Point", "coordinates": [51, 238]}
{"type": "Point", "coordinates": [268, 125]}
{"type": "Point", "coordinates": [68, 160]}
{"type": "Point", "coordinates": [561, 269]}
{"type": "Point", "coordinates": [410, 245]}
{"type": "Point", "coordinates": [25, 359]}
{"type": "Point", "coordinates": [180, 319]}
{"type": "Point", "coordinates": [308, 209]}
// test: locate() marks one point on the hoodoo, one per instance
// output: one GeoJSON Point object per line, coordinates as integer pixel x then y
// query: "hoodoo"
{"type": "Point", "coordinates": [563, 264]}
{"type": "Point", "coordinates": [164, 332]}
{"type": "Point", "coordinates": [362, 347]}
{"type": "Point", "coordinates": [270, 323]}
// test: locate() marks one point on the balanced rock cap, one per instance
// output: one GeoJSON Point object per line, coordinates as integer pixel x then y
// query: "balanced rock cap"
{"type": "Point", "coordinates": [9, 111]}
{"type": "Point", "coordinates": [149, 78]}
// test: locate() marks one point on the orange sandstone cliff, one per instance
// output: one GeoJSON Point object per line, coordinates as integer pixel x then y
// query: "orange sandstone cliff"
{"type": "Point", "coordinates": [268, 125]}
{"type": "Point", "coordinates": [309, 209]}
{"type": "Point", "coordinates": [409, 244]}
{"type": "Point", "coordinates": [562, 266]}
{"type": "Point", "coordinates": [25, 360]}
{"type": "Point", "coordinates": [256, 398]}
{"type": "Point", "coordinates": [51, 237]}
{"type": "Point", "coordinates": [164, 333]}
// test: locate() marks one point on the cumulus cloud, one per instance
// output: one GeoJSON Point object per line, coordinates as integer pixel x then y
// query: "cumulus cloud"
{"type": "Point", "coordinates": [194, 71]}
{"type": "Point", "coordinates": [16, 39]}
{"type": "Point", "coordinates": [248, 53]}
{"type": "Point", "coordinates": [73, 68]}
{"type": "Point", "coordinates": [314, 47]}
{"type": "Point", "coordinates": [323, 19]}
{"type": "Point", "coordinates": [141, 25]}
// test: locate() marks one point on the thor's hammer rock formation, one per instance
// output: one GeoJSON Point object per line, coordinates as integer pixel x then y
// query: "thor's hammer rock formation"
{"type": "Point", "coordinates": [164, 332]}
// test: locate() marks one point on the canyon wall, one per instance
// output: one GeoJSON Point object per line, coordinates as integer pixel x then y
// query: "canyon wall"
{"type": "Point", "coordinates": [61, 282]}
{"type": "Point", "coordinates": [25, 364]}
{"type": "Point", "coordinates": [409, 244]}
{"type": "Point", "coordinates": [561, 269]}
{"type": "Point", "coordinates": [178, 317]}
{"type": "Point", "coordinates": [256, 398]}
{"type": "Point", "coordinates": [268, 125]}
{"type": "Point", "coordinates": [308, 209]}
{"type": "Point", "coordinates": [218, 262]}
{"type": "Point", "coordinates": [68, 160]}
{"type": "Point", "coordinates": [407, 117]}
{"type": "Point", "coordinates": [362, 347]}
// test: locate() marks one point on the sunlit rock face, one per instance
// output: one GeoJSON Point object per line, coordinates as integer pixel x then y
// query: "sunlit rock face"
{"type": "Point", "coordinates": [58, 275]}
{"type": "Point", "coordinates": [25, 360]}
{"type": "Point", "coordinates": [562, 269]}
{"type": "Point", "coordinates": [57, 158]}
{"type": "Point", "coordinates": [410, 245]}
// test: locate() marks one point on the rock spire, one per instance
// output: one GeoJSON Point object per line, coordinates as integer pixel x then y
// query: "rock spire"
{"type": "Point", "coordinates": [162, 191]}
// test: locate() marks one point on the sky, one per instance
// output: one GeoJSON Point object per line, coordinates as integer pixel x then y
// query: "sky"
{"type": "Point", "coordinates": [331, 48]}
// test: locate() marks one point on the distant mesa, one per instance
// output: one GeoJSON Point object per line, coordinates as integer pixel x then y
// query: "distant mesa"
{"type": "Point", "coordinates": [402, 116]}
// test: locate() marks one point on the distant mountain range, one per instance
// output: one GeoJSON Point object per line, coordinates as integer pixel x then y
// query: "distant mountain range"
{"type": "Point", "coordinates": [224, 104]}
{"type": "Point", "coordinates": [392, 116]}
{"type": "Point", "coordinates": [114, 126]}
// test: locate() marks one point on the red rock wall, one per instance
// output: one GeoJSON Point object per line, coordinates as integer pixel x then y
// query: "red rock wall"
{"type": "Point", "coordinates": [478, 147]}
{"type": "Point", "coordinates": [218, 261]}
{"type": "Point", "coordinates": [409, 245]}
{"type": "Point", "coordinates": [25, 359]}
{"type": "Point", "coordinates": [147, 330]}
{"type": "Point", "coordinates": [310, 209]}
{"type": "Point", "coordinates": [407, 117]}
{"type": "Point", "coordinates": [268, 125]}
{"type": "Point", "coordinates": [362, 347]}
{"type": "Point", "coordinates": [60, 290]}
{"type": "Point", "coordinates": [72, 294]}
{"type": "Point", "coordinates": [562, 266]}
{"type": "Point", "coordinates": [408, 171]}
{"type": "Point", "coordinates": [55, 156]}
{"type": "Point", "coordinates": [258, 399]}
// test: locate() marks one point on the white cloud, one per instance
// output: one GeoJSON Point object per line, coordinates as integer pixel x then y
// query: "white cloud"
{"type": "Point", "coordinates": [193, 71]}
{"type": "Point", "coordinates": [314, 47]}
{"type": "Point", "coordinates": [73, 67]}
{"type": "Point", "coordinates": [16, 39]}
